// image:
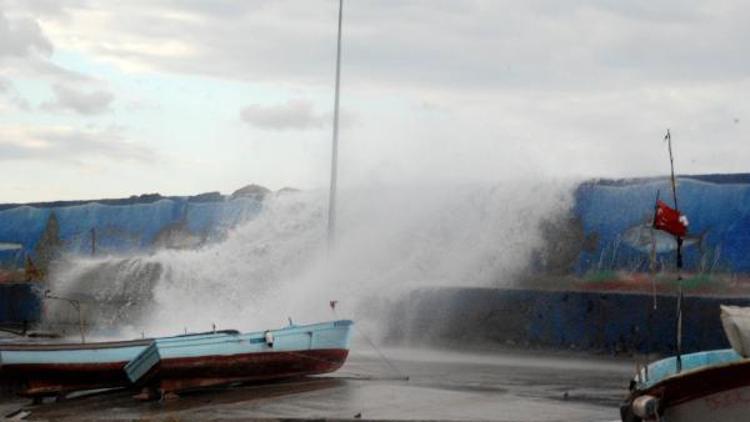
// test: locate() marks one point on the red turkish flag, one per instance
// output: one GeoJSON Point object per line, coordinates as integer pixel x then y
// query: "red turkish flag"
{"type": "Point", "coordinates": [670, 220]}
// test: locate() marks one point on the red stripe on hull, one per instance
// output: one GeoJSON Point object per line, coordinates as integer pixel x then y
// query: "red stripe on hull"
{"type": "Point", "coordinates": [172, 375]}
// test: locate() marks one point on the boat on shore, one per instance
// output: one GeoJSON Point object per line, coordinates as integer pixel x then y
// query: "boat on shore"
{"type": "Point", "coordinates": [173, 364]}
{"type": "Point", "coordinates": [710, 386]}
{"type": "Point", "coordinates": [54, 369]}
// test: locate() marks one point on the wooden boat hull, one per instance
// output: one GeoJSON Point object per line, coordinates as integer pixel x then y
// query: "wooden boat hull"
{"type": "Point", "coordinates": [714, 392]}
{"type": "Point", "coordinates": [54, 369]}
{"type": "Point", "coordinates": [176, 363]}
{"type": "Point", "coordinates": [173, 365]}
{"type": "Point", "coordinates": [174, 375]}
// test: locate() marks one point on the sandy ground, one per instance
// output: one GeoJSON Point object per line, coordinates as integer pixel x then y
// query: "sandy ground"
{"type": "Point", "coordinates": [508, 386]}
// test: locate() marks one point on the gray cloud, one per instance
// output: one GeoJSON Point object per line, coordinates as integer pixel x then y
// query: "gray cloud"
{"type": "Point", "coordinates": [20, 37]}
{"type": "Point", "coordinates": [437, 44]}
{"type": "Point", "coordinates": [295, 114]}
{"type": "Point", "coordinates": [69, 145]}
{"type": "Point", "coordinates": [565, 87]}
{"type": "Point", "coordinates": [48, 8]}
{"type": "Point", "coordinates": [222, 9]}
{"type": "Point", "coordinates": [94, 102]}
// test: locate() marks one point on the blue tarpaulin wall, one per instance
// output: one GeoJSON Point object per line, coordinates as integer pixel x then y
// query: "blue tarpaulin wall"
{"type": "Point", "coordinates": [119, 228]}
{"type": "Point", "coordinates": [718, 208]}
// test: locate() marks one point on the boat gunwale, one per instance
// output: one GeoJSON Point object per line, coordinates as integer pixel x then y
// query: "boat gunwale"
{"type": "Point", "coordinates": [170, 343]}
{"type": "Point", "coordinates": [646, 385]}
{"type": "Point", "coordinates": [96, 345]}
{"type": "Point", "coordinates": [33, 347]}
{"type": "Point", "coordinates": [30, 347]}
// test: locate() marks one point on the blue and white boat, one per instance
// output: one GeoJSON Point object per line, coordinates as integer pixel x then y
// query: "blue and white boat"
{"type": "Point", "coordinates": [175, 364]}
{"type": "Point", "coordinates": [711, 386]}
{"type": "Point", "coordinates": [44, 369]}
{"type": "Point", "coordinates": [172, 364]}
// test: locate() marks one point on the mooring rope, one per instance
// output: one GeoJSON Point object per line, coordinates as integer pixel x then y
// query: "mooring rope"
{"type": "Point", "coordinates": [382, 355]}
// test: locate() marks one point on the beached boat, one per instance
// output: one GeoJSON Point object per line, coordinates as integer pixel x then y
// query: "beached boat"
{"type": "Point", "coordinates": [176, 364]}
{"type": "Point", "coordinates": [43, 369]}
{"type": "Point", "coordinates": [171, 364]}
{"type": "Point", "coordinates": [710, 386]}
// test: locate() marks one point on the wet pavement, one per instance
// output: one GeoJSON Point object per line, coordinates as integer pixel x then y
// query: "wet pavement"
{"type": "Point", "coordinates": [506, 386]}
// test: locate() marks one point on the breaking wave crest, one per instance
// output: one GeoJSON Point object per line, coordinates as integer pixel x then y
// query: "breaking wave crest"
{"type": "Point", "coordinates": [389, 242]}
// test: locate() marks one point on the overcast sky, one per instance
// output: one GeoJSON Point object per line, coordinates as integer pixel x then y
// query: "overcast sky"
{"type": "Point", "coordinates": [107, 99]}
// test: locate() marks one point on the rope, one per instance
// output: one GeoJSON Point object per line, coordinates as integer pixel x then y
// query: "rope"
{"type": "Point", "coordinates": [354, 375]}
{"type": "Point", "coordinates": [394, 368]}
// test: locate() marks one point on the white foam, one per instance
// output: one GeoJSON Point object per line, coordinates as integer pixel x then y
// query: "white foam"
{"type": "Point", "coordinates": [389, 242]}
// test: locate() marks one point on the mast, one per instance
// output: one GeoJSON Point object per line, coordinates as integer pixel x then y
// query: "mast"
{"type": "Point", "coordinates": [335, 143]}
{"type": "Point", "coordinates": [678, 345]}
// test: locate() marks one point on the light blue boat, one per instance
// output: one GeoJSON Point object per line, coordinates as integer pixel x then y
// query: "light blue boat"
{"type": "Point", "coordinates": [45, 369]}
{"type": "Point", "coordinates": [179, 363]}
{"type": "Point", "coordinates": [176, 363]}
{"type": "Point", "coordinates": [711, 385]}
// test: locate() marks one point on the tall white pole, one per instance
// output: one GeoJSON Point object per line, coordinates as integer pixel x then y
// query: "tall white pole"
{"type": "Point", "coordinates": [335, 148]}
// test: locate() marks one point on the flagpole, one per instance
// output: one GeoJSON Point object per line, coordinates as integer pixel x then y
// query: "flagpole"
{"type": "Point", "coordinates": [335, 143]}
{"type": "Point", "coordinates": [668, 138]}
{"type": "Point", "coordinates": [678, 345]}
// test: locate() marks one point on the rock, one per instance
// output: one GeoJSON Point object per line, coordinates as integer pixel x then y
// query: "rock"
{"type": "Point", "coordinates": [251, 191]}
{"type": "Point", "coordinates": [207, 197]}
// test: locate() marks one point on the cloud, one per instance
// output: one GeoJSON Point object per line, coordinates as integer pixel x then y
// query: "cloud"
{"type": "Point", "coordinates": [22, 37]}
{"type": "Point", "coordinates": [88, 103]}
{"type": "Point", "coordinates": [25, 47]}
{"type": "Point", "coordinates": [470, 89]}
{"type": "Point", "coordinates": [68, 145]}
{"type": "Point", "coordinates": [56, 9]}
{"type": "Point", "coordinates": [294, 115]}
{"type": "Point", "coordinates": [421, 44]}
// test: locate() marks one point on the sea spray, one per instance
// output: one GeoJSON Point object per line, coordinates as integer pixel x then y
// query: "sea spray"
{"type": "Point", "coordinates": [389, 242]}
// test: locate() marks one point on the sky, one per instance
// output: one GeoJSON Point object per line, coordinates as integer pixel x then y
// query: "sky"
{"type": "Point", "coordinates": [110, 99]}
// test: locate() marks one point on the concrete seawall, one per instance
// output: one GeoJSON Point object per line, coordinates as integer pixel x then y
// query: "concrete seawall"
{"type": "Point", "coordinates": [600, 322]}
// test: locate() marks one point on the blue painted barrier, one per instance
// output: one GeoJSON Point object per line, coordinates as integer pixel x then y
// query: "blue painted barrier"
{"type": "Point", "coordinates": [603, 322]}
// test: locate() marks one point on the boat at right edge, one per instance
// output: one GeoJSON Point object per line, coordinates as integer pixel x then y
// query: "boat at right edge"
{"type": "Point", "coordinates": [712, 385]}
{"type": "Point", "coordinates": [705, 386]}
